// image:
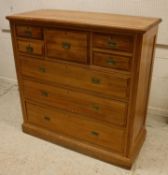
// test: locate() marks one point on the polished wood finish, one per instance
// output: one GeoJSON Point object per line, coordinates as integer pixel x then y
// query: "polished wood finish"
{"type": "Point", "coordinates": [113, 42]}
{"type": "Point", "coordinates": [76, 76]}
{"type": "Point", "coordinates": [112, 61]}
{"type": "Point", "coordinates": [76, 126]}
{"type": "Point", "coordinates": [88, 19]}
{"type": "Point", "coordinates": [109, 111]}
{"type": "Point", "coordinates": [144, 76]}
{"type": "Point", "coordinates": [30, 47]}
{"type": "Point", "coordinates": [27, 31]}
{"type": "Point", "coordinates": [84, 79]}
{"type": "Point", "coordinates": [67, 45]}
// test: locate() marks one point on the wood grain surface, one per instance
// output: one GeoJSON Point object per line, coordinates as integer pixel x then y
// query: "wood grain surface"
{"type": "Point", "coordinates": [84, 79]}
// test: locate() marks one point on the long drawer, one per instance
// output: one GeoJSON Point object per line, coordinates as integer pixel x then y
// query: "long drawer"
{"type": "Point", "coordinates": [110, 85]}
{"type": "Point", "coordinates": [109, 111]}
{"type": "Point", "coordinates": [76, 126]}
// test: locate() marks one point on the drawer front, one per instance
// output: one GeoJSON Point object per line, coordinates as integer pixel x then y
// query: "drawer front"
{"type": "Point", "coordinates": [31, 47]}
{"type": "Point", "coordinates": [76, 126]}
{"type": "Point", "coordinates": [112, 61]}
{"type": "Point", "coordinates": [100, 83]}
{"type": "Point", "coordinates": [67, 45]}
{"type": "Point", "coordinates": [91, 106]}
{"type": "Point", "coordinates": [113, 42]}
{"type": "Point", "coordinates": [29, 32]}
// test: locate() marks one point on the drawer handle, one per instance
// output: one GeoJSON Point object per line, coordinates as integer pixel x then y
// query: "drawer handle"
{"type": "Point", "coordinates": [111, 61]}
{"type": "Point", "coordinates": [28, 33]}
{"type": "Point", "coordinates": [94, 133]}
{"type": "Point", "coordinates": [95, 81]}
{"type": "Point", "coordinates": [42, 69]}
{"type": "Point", "coordinates": [112, 44]}
{"type": "Point", "coordinates": [44, 93]}
{"type": "Point", "coordinates": [47, 118]}
{"type": "Point", "coordinates": [66, 45]}
{"type": "Point", "coordinates": [29, 49]}
{"type": "Point", "coordinates": [95, 107]}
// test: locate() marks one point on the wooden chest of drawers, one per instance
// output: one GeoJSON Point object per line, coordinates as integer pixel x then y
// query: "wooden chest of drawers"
{"type": "Point", "coordinates": [84, 79]}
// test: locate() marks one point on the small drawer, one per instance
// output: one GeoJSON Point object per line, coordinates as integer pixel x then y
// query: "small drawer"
{"type": "Point", "coordinates": [110, 111]}
{"type": "Point", "coordinates": [29, 32]}
{"type": "Point", "coordinates": [100, 83]}
{"type": "Point", "coordinates": [67, 45]}
{"type": "Point", "coordinates": [113, 42]}
{"type": "Point", "coordinates": [112, 61]}
{"type": "Point", "coordinates": [31, 47]}
{"type": "Point", "coordinates": [76, 126]}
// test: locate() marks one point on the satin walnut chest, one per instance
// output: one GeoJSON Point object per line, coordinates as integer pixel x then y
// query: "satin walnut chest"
{"type": "Point", "coordinates": [84, 79]}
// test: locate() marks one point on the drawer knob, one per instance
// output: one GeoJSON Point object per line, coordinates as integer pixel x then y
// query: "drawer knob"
{"type": "Point", "coordinates": [95, 80]}
{"type": "Point", "coordinates": [29, 49]}
{"type": "Point", "coordinates": [112, 44]}
{"type": "Point", "coordinates": [95, 107]}
{"type": "Point", "coordinates": [47, 118]}
{"type": "Point", "coordinates": [111, 61]}
{"type": "Point", "coordinates": [42, 69]}
{"type": "Point", "coordinates": [94, 133]}
{"type": "Point", "coordinates": [66, 45]}
{"type": "Point", "coordinates": [44, 93]}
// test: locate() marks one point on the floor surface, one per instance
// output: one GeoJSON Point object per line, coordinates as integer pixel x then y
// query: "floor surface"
{"type": "Point", "coordinates": [22, 154]}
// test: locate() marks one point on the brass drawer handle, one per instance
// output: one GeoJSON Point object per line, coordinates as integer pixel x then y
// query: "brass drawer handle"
{"type": "Point", "coordinates": [44, 93]}
{"type": "Point", "coordinates": [47, 118]}
{"type": "Point", "coordinates": [29, 49]}
{"type": "Point", "coordinates": [112, 44]}
{"type": "Point", "coordinates": [111, 61]}
{"type": "Point", "coordinates": [42, 69]}
{"type": "Point", "coordinates": [95, 107]}
{"type": "Point", "coordinates": [95, 80]}
{"type": "Point", "coordinates": [28, 33]}
{"type": "Point", "coordinates": [94, 133]}
{"type": "Point", "coordinates": [66, 45]}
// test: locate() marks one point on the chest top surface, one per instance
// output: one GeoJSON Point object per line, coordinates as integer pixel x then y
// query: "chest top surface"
{"type": "Point", "coordinates": [115, 21]}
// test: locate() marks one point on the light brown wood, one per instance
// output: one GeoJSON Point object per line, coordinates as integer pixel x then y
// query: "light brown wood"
{"type": "Point", "coordinates": [85, 19]}
{"type": "Point", "coordinates": [143, 84]}
{"type": "Point", "coordinates": [67, 45]}
{"type": "Point", "coordinates": [89, 94]}
{"type": "Point", "coordinates": [76, 126]}
{"type": "Point", "coordinates": [108, 111]}
{"type": "Point", "coordinates": [30, 47]}
{"type": "Point", "coordinates": [76, 76]}
{"type": "Point", "coordinates": [112, 61]}
{"type": "Point", "coordinates": [29, 32]}
{"type": "Point", "coordinates": [113, 42]}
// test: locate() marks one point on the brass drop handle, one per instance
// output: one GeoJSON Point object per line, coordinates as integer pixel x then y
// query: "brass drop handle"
{"type": "Point", "coordinates": [112, 44]}
{"type": "Point", "coordinates": [44, 93]}
{"type": "Point", "coordinates": [29, 49]}
{"type": "Point", "coordinates": [42, 69]}
{"type": "Point", "coordinates": [95, 107]}
{"type": "Point", "coordinates": [94, 133]}
{"type": "Point", "coordinates": [66, 45]}
{"type": "Point", "coordinates": [95, 80]}
{"type": "Point", "coordinates": [111, 61]}
{"type": "Point", "coordinates": [47, 118]}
